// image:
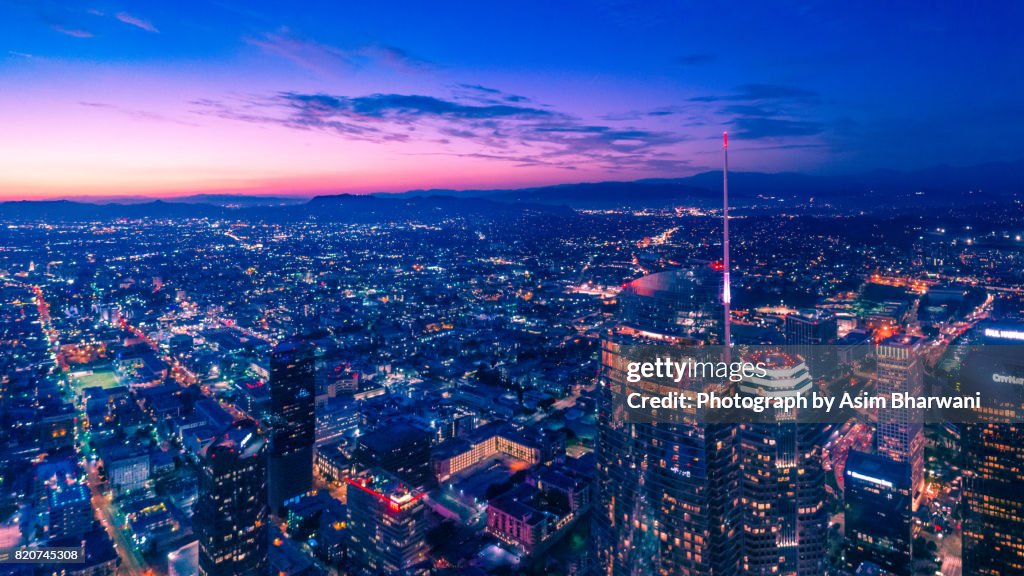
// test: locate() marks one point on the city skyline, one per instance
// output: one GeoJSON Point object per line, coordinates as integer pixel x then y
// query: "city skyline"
{"type": "Point", "coordinates": [112, 100]}
{"type": "Point", "coordinates": [479, 289]}
{"type": "Point", "coordinates": [454, 399]}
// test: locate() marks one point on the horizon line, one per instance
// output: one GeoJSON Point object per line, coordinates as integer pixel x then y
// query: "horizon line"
{"type": "Point", "coordinates": [105, 198]}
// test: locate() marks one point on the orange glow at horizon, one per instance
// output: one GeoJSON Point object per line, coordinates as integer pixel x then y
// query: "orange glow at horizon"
{"type": "Point", "coordinates": [54, 148]}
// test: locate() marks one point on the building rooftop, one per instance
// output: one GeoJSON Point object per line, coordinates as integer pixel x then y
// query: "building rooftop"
{"type": "Point", "coordinates": [387, 438]}
{"type": "Point", "coordinates": [241, 437]}
{"type": "Point", "coordinates": [875, 469]}
{"type": "Point", "coordinates": [68, 495]}
{"type": "Point", "coordinates": [386, 487]}
{"type": "Point", "coordinates": [902, 341]}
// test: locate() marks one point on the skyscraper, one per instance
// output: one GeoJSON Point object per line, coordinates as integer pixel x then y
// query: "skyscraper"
{"type": "Point", "coordinates": [231, 511]}
{"type": "Point", "coordinates": [292, 421]}
{"type": "Point", "coordinates": [878, 519]}
{"type": "Point", "coordinates": [993, 448]}
{"type": "Point", "coordinates": [993, 527]}
{"type": "Point", "coordinates": [668, 492]}
{"type": "Point", "coordinates": [900, 434]}
{"type": "Point", "coordinates": [784, 518]}
{"type": "Point", "coordinates": [386, 524]}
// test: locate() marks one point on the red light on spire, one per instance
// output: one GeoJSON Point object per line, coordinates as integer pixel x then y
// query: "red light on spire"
{"type": "Point", "coordinates": [725, 139]}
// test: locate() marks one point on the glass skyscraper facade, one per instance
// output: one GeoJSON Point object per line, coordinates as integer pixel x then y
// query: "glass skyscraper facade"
{"type": "Point", "coordinates": [231, 510]}
{"type": "Point", "coordinates": [292, 421]}
{"type": "Point", "coordinates": [668, 492]}
{"type": "Point", "coordinates": [682, 303]}
{"type": "Point", "coordinates": [993, 497]}
{"type": "Point", "coordinates": [878, 520]}
{"type": "Point", "coordinates": [900, 434]}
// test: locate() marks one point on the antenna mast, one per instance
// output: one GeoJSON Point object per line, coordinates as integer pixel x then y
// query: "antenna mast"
{"type": "Point", "coordinates": [726, 296]}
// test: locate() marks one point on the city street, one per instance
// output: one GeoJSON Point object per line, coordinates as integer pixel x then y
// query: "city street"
{"type": "Point", "coordinates": [132, 563]}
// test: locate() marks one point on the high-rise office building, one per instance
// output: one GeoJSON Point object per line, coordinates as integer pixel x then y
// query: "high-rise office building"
{"type": "Point", "coordinates": [900, 435]}
{"type": "Point", "coordinates": [231, 510]}
{"type": "Point", "coordinates": [993, 526]}
{"type": "Point", "coordinates": [782, 479]}
{"type": "Point", "coordinates": [386, 525]}
{"type": "Point", "coordinates": [811, 333]}
{"type": "Point", "coordinates": [878, 519]}
{"type": "Point", "coordinates": [292, 421]}
{"type": "Point", "coordinates": [668, 491]}
{"type": "Point", "coordinates": [993, 449]}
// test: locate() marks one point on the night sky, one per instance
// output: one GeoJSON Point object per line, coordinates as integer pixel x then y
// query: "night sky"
{"type": "Point", "coordinates": [100, 98]}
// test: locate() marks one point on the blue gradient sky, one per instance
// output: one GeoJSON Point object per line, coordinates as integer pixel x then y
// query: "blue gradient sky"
{"type": "Point", "coordinates": [172, 98]}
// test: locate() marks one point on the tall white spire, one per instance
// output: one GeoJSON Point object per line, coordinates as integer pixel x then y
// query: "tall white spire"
{"type": "Point", "coordinates": [726, 295]}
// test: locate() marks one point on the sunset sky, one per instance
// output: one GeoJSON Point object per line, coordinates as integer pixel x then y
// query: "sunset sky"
{"type": "Point", "coordinates": [163, 98]}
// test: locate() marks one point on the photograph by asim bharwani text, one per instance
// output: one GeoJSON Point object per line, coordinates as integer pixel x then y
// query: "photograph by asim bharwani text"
{"type": "Point", "coordinates": [788, 403]}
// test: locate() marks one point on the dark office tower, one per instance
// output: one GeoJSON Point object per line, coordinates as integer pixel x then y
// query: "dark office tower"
{"type": "Point", "coordinates": [784, 518]}
{"type": "Point", "coordinates": [993, 449]}
{"type": "Point", "coordinates": [401, 449]}
{"type": "Point", "coordinates": [811, 333]}
{"type": "Point", "coordinates": [292, 421]}
{"type": "Point", "coordinates": [878, 518]}
{"type": "Point", "coordinates": [900, 434]}
{"type": "Point", "coordinates": [993, 525]}
{"type": "Point", "coordinates": [231, 511]}
{"type": "Point", "coordinates": [386, 525]}
{"type": "Point", "coordinates": [668, 492]}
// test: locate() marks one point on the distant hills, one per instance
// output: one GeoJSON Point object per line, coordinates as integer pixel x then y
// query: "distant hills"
{"type": "Point", "coordinates": [225, 200]}
{"type": "Point", "coordinates": [881, 190]}
{"type": "Point", "coordinates": [943, 185]}
{"type": "Point", "coordinates": [701, 189]}
{"type": "Point", "coordinates": [236, 201]}
{"type": "Point", "coordinates": [340, 208]}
